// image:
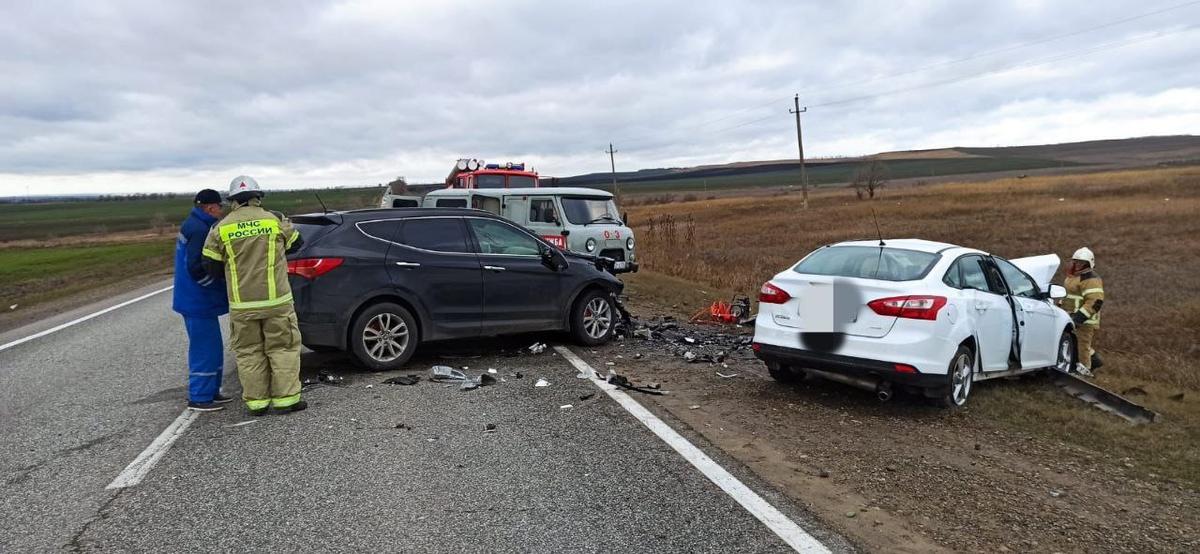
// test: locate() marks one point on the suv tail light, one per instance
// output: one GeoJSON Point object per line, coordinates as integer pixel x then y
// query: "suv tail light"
{"type": "Point", "coordinates": [911, 307]}
{"type": "Point", "coordinates": [771, 294]}
{"type": "Point", "coordinates": [311, 268]}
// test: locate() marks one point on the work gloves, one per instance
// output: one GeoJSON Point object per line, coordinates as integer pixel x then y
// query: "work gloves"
{"type": "Point", "coordinates": [1079, 318]}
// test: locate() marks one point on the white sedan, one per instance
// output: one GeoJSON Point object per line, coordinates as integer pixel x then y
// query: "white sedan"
{"type": "Point", "coordinates": [930, 316]}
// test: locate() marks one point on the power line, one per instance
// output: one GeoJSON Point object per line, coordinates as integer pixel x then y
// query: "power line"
{"type": "Point", "coordinates": [1010, 48]}
{"type": "Point", "coordinates": [974, 56]}
{"type": "Point", "coordinates": [1026, 64]}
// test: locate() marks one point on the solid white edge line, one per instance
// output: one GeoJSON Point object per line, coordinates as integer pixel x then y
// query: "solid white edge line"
{"type": "Point", "coordinates": [140, 466]}
{"type": "Point", "coordinates": [776, 521]}
{"type": "Point", "coordinates": [83, 319]}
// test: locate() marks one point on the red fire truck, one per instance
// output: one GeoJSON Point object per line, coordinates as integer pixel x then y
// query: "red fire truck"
{"type": "Point", "coordinates": [475, 174]}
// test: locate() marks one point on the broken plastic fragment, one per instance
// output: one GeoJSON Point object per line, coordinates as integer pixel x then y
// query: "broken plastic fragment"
{"type": "Point", "coordinates": [403, 380]}
{"type": "Point", "coordinates": [542, 383]}
{"type": "Point", "coordinates": [719, 374]}
{"type": "Point", "coordinates": [445, 373]}
{"type": "Point", "coordinates": [565, 407]}
{"type": "Point", "coordinates": [537, 348]}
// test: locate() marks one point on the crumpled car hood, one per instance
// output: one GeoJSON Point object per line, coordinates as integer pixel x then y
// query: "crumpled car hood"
{"type": "Point", "coordinates": [1041, 268]}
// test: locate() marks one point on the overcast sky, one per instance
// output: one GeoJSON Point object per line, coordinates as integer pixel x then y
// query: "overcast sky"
{"type": "Point", "coordinates": [151, 96]}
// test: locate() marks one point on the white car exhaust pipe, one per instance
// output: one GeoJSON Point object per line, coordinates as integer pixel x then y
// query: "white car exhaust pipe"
{"type": "Point", "coordinates": [882, 389]}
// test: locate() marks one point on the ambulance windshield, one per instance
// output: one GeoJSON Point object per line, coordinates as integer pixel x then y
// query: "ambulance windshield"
{"type": "Point", "coordinates": [581, 210]}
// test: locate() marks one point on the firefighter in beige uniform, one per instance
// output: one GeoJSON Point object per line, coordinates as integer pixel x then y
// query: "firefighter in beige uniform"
{"type": "Point", "coordinates": [1085, 297]}
{"type": "Point", "coordinates": [248, 248]}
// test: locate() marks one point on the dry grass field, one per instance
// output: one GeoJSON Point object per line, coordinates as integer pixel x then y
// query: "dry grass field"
{"type": "Point", "coordinates": [1143, 225]}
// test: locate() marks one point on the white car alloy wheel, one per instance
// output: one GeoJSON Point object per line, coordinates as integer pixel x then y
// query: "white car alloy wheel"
{"type": "Point", "coordinates": [1066, 353]}
{"type": "Point", "coordinates": [385, 337]}
{"type": "Point", "coordinates": [962, 375]}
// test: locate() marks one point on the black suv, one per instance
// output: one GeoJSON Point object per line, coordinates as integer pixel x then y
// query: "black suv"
{"type": "Point", "coordinates": [379, 282]}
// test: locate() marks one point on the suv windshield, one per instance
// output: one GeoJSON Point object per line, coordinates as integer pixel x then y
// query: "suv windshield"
{"type": "Point", "coordinates": [868, 262]}
{"type": "Point", "coordinates": [582, 210]}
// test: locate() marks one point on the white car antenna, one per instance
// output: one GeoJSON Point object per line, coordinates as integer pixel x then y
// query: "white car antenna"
{"type": "Point", "coordinates": [877, 231]}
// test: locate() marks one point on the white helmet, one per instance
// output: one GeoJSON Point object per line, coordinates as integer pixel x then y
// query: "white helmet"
{"type": "Point", "coordinates": [1085, 255]}
{"type": "Point", "coordinates": [243, 183]}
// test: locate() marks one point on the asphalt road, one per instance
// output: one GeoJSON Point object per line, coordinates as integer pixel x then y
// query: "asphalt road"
{"type": "Point", "coordinates": [368, 466]}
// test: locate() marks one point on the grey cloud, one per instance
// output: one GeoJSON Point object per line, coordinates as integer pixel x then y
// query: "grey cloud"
{"type": "Point", "coordinates": [152, 86]}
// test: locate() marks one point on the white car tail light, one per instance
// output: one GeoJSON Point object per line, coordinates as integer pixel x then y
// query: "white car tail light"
{"type": "Point", "coordinates": [771, 294]}
{"type": "Point", "coordinates": [911, 307]}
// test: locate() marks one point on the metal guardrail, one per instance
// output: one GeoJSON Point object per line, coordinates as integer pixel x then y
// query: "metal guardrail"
{"type": "Point", "coordinates": [1104, 399]}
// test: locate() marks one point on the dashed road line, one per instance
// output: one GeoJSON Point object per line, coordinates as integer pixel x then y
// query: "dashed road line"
{"type": "Point", "coordinates": [82, 319]}
{"type": "Point", "coordinates": [140, 466]}
{"type": "Point", "coordinates": [776, 521]}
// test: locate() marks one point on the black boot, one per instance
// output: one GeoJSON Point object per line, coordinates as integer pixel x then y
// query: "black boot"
{"type": "Point", "coordinates": [1097, 362]}
{"type": "Point", "coordinates": [299, 406]}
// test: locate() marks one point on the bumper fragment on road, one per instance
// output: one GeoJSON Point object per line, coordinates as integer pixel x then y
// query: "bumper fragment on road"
{"type": "Point", "coordinates": [776, 521]}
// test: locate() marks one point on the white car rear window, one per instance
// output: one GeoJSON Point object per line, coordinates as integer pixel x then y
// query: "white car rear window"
{"type": "Point", "coordinates": [868, 262]}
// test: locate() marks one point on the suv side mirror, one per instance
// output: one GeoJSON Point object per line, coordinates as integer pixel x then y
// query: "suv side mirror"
{"type": "Point", "coordinates": [554, 259]}
{"type": "Point", "coordinates": [1057, 292]}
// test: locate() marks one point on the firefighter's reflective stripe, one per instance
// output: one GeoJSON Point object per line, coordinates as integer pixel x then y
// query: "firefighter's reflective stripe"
{"type": "Point", "coordinates": [258, 404]}
{"type": "Point", "coordinates": [213, 254]}
{"type": "Point", "coordinates": [234, 286]}
{"type": "Point", "coordinates": [237, 304]}
{"type": "Point", "coordinates": [286, 401]}
{"type": "Point", "coordinates": [1092, 291]}
{"type": "Point", "coordinates": [292, 239]}
{"type": "Point", "coordinates": [271, 293]}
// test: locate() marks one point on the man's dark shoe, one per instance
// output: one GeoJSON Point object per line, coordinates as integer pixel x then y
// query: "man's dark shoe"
{"type": "Point", "coordinates": [221, 399]}
{"type": "Point", "coordinates": [204, 406]}
{"type": "Point", "coordinates": [1097, 362]}
{"type": "Point", "coordinates": [259, 412]}
{"type": "Point", "coordinates": [299, 406]}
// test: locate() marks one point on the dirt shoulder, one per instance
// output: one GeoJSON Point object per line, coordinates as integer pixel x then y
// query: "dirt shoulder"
{"type": "Point", "coordinates": [26, 314]}
{"type": "Point", "coordinates": [904, 476]}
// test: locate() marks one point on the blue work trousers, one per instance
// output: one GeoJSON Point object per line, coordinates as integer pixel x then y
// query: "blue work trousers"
{"type": "Point", "coordinates": [206, 358]}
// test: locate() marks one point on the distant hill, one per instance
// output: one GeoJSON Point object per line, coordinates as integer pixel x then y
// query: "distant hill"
{"type": "Point", "coordinates": [904, 164]}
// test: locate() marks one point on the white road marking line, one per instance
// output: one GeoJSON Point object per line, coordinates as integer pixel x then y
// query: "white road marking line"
{"type": "Point", "coordinates": [140, 466]}
{"type": "Point", "coordinates": [83, 319]}
{"type": "Point", "coordinates": [775, 520]}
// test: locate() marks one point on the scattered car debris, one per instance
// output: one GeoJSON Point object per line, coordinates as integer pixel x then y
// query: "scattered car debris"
{"type": "Point", "coordinates": [694, 407]}
{"type": "Point", "coordinates": [370, 386]}
{"type": "Point", "coordinates": [622, 382]}
{"type": "Point", "coordinates": [13, 307]}
{"type": "Point", "coordinates": [403, 380]}
{"type": "Point", "coordinates": [537, 348]}
{"type": "Point", "coordinates": [566, 407]}
{"type": "Point", "coordinates": [244, 423]}
{"type": "Point", "coordinates": [491, 370]}
{"type": "Point", "coordinates": [542, 383]}
{"type": "Point", "coordinates": [446, 373]}
{"type": "Point", "coordinates": [587, 396]}
{"type": "Point", "coordinates": [722, 375]}
{"type": "Point", "coordinates": [489, 428]}
{"type": "Point", "coordinates": [403, 426]}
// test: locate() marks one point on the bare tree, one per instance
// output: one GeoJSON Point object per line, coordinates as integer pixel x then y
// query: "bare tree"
{"type": "Point", "coordinates": [869, 179]}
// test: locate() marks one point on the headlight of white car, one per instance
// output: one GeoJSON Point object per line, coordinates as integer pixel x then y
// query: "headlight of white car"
{"type": "Point", "coordinates": [629, 243]}
{"type": "Point", "coordinates": [590, 245]}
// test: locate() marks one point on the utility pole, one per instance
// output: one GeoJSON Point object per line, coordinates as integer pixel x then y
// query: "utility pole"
{"type": "Point", "coordinates": [800, 143]}
{"type": "Point", "coordinates": [613, 164]}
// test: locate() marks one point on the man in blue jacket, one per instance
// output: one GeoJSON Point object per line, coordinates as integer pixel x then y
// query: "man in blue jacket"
{"type": "Point", "coordinates": [201, 299]}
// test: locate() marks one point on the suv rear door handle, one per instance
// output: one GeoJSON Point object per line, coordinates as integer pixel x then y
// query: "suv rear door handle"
{"type": "Point", "coordinates": [493, 268]}
{"type": "Point", "coordinates": [408, 264]}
